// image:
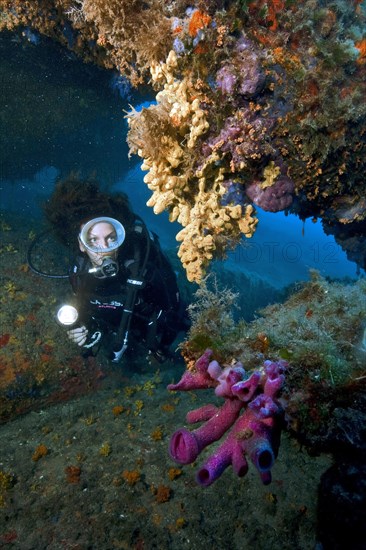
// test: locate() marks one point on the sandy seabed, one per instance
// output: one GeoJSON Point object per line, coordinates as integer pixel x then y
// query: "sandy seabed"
{"type": "Point", "coordinates": [95, 473]}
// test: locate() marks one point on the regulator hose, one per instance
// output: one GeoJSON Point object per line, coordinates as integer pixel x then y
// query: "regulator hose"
{"type": "Point", "coordinates": [34, 243]}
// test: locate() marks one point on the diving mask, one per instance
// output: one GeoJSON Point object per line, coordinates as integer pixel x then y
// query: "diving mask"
{"type": "Point", "coordinates": [102, 235]}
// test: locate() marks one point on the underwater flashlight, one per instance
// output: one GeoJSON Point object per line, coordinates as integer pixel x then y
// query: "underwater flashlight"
{"type": "Point", "coordinates": [67, 315]}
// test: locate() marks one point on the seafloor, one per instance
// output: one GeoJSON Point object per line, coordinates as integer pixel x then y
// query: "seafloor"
{"type": "Point", "coordinates": [84, 445]}
{"type": "Point", "coordinates": [125, 491]}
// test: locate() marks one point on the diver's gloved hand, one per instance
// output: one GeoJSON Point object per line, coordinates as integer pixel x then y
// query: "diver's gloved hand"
{"type": "Point", "coordinates": [82, 337]}
{"type": "Point", "coordinates": [78, 335]}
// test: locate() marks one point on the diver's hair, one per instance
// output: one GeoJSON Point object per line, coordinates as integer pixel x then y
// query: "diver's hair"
{"type": "Point", "coordinates": [76, 201]}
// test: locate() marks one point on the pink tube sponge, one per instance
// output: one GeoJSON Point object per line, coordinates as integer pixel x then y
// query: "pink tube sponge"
{"type": "Point", "coordinates": [196, 378]}
{"type": "Point", "coordinates": [185, 446]}
{"type": "Point", "coordinates": [250, 411]}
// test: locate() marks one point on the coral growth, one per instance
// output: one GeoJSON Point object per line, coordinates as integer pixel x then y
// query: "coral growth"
{"type": "Point", "coordinates": [259, 141]}
{"type": "Point", "coordinates": [131, 476]}
{"type": "Point", "coordinates": [105, 449]}
{"type": "Point", "coordinates": [258, 102]}
{"type": "Point", "coordinates": [40, 452]}
{"type": "Point", "coordinates": [163, 494]}
{"type": "Point", "coordinates": [166, 154]}
{"type": "Point", "coordinates": [212, 323]}
{"type": "Point", "coordinates": [4, 339]}
{"type": "Point", "coordinates": [7, 480]}
{"type": "Point", "coordinates": [73, 474]}
{"type": "Point", "coordinates": [128, 32]}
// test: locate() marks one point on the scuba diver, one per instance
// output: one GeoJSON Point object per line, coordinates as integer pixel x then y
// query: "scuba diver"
{"type": "Point", "coordinates": [124, 288]}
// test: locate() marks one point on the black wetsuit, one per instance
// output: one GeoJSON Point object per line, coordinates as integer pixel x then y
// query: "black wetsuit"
{"type": "Point", "coordinates": [155, 312]}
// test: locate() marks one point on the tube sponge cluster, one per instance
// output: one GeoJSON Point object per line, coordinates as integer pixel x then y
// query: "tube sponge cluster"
{"type": "Point", "coordinates": [251, 409]}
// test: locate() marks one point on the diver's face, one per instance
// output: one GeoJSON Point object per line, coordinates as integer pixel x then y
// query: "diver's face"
{"type": "Point", "coordinates": [100, 237]}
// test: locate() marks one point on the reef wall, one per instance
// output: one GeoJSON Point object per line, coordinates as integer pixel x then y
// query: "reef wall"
{"type": "Point", "coordinates": [319, 330]}
{"type": "Point", "coordinates": [258, 103]}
